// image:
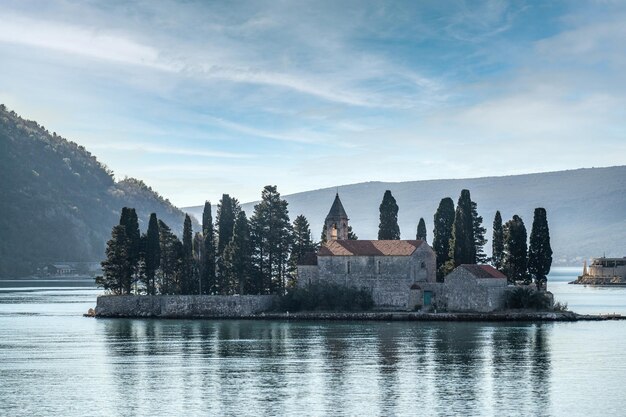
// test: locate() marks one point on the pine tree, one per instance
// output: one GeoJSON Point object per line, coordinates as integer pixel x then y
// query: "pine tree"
{"type": "Point", "coordinates": [152, 254]}
{"type": "Point", "coordinates": [462, 249]}
{"type": "Point", "coordinates": [207, 269]}
{"type": "Point", "coordinates": [171, 261]}
{"type": "Point", "coordinates": [238, 258]}
{"type": "Point", "coordinates": [271, 236]}
{"type": "Point", "coordinates": [443, 221]}
{"type": "Point", "coordinates": [388, 228]}
{"type": "Point", "coordinates": [515, 250]}
{"type": "Point", "coordinates": [116, 268]}
{"type": "Point", "coordinates": [497, 242]}
{"type": "Point", "coordinates": [540, 251]}
{"type": "Point", "coordinates": [421, 230]}
{"type": "Point", "coordinates": [479, 236]}
{"type": "Point", "coordinates": [302, 244]}
{"type": "Point", "coordinates": [187, 284]}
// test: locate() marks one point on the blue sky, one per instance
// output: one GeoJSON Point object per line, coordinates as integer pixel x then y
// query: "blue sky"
{"type": "Point", "coordinates": [201, 98]}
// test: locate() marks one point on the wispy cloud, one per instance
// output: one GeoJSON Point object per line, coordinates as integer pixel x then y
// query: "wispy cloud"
{"type": "Point", "coordinates": [167, 150]}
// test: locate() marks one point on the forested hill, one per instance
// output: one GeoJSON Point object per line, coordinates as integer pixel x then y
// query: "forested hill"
{"type": "Point", "coordinates": [58, 203]}
{"type": "Point", "coordinates": [586, 207]}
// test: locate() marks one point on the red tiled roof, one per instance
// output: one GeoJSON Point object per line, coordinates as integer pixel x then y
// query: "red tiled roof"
{"type": "Point", "coordinates": [483, 271]}
{"type": "Point", "coordinates": [369, 247]}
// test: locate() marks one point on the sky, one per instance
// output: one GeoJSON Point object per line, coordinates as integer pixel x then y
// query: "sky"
{"type": "Point", "coordinates": [200, 98]}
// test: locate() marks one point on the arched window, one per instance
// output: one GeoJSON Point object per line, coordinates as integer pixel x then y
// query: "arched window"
{"type": "Point", "coordinates": [423, 265]}
{"type": "Point", "coordinates": [333, 232]}
{"type": "Point", "coordinates": [378, 267]}
{"type": "Point", "coordinates": [348, 267]}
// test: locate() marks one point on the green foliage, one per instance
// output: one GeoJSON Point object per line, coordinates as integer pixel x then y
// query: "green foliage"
{"type": "Point", "coordinates": [559, 306]}
{"type": "Point", "coordinates": [443, 220]}
{"type": "Point", "coordinates": [188, 284]}
{"type": "Point", "coordinates": [497, 242]}
{"type": "Point", "coordinates": [152, 254]}
{"type": "Point", "coordinates": [540, 251]}
{"type": "Point", "coordinates": [479, 236]}
{"type": "Point", "coordinates": [462, 244]}
{"type": "Point", "coordinates": [116, 268]}
{"type": "Point", "coordinates": [351, 234]}
{"type": "Point", "coordinates": [527, 298]}
{"type": "Point", "coordinates": [169, 273]}
{"type": "Point", "coordinates": [326, 297]}
{"type": "Point", "coordinates": [388, 228]}
{"type": "Point", "coordinates": [515, 250]}
{"type": "Point", "coordinates": [61, 194]}
{"type": "Point", "coordinates": [207, 255]}
{"type": "Point", "coordinates": [302, 243]}
{"type": "Point", "coordinates": [128, 219]}
{"type": "Point", "coordinates": [271, 239]}
{"type": "Point", "coordinates": [421, 230]}
{"type": "Point", "coordinates": [238, 258]}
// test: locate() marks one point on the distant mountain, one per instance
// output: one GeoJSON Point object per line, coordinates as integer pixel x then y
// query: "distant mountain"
{"type": "Point", "coordinates": [58, 203]}
{"type": "Point", "coordinates": [586, 207]}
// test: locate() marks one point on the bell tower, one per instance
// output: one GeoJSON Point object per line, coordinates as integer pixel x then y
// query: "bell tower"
{"type": "Point", "coordinates": [336, 221]}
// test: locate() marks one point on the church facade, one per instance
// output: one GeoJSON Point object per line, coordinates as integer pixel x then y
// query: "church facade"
{"type": "Point", "coordinates": [400, 274]}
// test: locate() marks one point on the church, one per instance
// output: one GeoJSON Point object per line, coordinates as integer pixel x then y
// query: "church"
{"type": "Point", "coordinates": [400, 274]}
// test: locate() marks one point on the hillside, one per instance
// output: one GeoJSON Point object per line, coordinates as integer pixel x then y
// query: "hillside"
{"type": "Point", "coordinates": [58, 202]}
{"type": "Point", "coordinates": [586, 207]}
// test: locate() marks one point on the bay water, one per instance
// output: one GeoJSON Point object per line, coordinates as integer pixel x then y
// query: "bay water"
{"type": "Point", "coordinates": [54, 362]}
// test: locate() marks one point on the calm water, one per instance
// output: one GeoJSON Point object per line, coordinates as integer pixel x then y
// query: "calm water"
{"type": "Point", "coordinates": [55, 362]}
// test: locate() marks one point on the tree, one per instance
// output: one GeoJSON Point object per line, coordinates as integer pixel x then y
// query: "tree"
{"type": "Point", "coordinates": [479, 236]}
{"type": "Point", "coordinates": [388, 228]}
{"type": "Point", "coordinates": [462, 249]}
{"type": "Point", "coordinates": [171, 260]}
{"type": "Point", "coordinates": [225, 218]}
{"type": "Point", "coordinates": [421, 230]}
{"type": "Point", "coordinates": [302, 244]}
{"type": "Point", "coordinates": [152, 254]}
{"type": "Point", "coordinates": [540, 251]}
{"type": "Point", "coordinates": [207, 268]}
{"type": "Point", "coordinates": [116, 268]}
{"type": "Point", "coordinates": [497, 242]}
{"type": "Point", "coordinates": [198, 245]}
{"type": "Point", "coordinates": [271, 235]}
{"type": "Point", "coordinates": [187, 279]}
{"type": "Point", "coordinates": [128, 219]}
{"type": "Point", "coordinates": [351, 234]}
{"type": "Point", "coordinates": [237, 258]}
{"type": "Point", "coordinates": [443, 221]}
{"type": "Point", "coordinates": [515, 250]}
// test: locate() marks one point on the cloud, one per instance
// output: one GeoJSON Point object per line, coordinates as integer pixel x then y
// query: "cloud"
{"type": "Point", "coordinates": [167, 150]}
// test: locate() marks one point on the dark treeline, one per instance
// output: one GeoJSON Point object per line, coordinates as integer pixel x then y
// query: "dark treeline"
{"type": "Point", "coordinates": [237, 255]}
{"type": "Point", "coordinates": [233, 255]}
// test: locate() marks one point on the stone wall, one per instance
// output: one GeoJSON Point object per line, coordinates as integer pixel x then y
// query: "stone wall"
{"type": "Point", "coordinates": [183, 306]}
{"type": "Point", "coordinates": [463, 292]}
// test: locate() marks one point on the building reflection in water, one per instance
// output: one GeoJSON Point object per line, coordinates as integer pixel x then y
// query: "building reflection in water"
{"type": "Point", "coordinates": [369, 368]}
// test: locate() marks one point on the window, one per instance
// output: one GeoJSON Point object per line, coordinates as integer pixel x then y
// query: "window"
{"type": "Point", "coordinates": [423, 265]}
{"type": "Point", "coordinates": [378, 267]}
{"type": "Point", "coordinates": [348, 267]}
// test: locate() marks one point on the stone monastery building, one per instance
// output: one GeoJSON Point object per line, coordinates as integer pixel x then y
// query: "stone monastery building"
{"type": "Point", "coordinates": [400, 274]}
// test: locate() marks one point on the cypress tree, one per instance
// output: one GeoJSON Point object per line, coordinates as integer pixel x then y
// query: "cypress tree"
{"type": "Point", "coordinates": [152, 254]}
{"type": "Point", "coordinates": [497, 242]}
{"type": "Point", "coordinates": [479, 236]}
{"type": "Point", "coordinates": [388, 228]}
{"type": "Point", "coordinates": [128, 219]}
{"type": "Point", "coordinates": [116, 268]}
{"type": "Point", "coordinates": [207, 270]}
{"type": "Point", "coordinates": [187, 277]}
{"type": "Point", "coordinates": [421, 230]}
{"type": "Point", "coordinates": [237, 258]}
{"type": "Point", "coordinates": [540, 251]}
{"type": "Point", "coordinates": [515, 250]}
{"type": "Point", "coordinates": [443, 221]}
{"type": "Point", "coordinates": [302, 243]}
{"type": "Point", "coordinates": [225, 222]}
{"type": "Point", "coordinates": [462, 245]}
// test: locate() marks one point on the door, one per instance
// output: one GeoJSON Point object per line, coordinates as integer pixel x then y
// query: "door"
{"type": "Point", "coordinates": [428, 295]}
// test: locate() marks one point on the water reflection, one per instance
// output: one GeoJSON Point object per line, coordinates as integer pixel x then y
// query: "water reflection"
{"type": "Point", "coordinates": [331, 368]}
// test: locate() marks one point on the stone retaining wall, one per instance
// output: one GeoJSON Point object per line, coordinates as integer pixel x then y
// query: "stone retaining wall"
{"type": "Point", "coordinates": [183, 306]}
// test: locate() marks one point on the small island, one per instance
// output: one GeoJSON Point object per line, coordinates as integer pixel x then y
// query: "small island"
{"type": "Point", "coordinates": [268, 268]}
{"type": "Point", "coordinates": [607, 272]}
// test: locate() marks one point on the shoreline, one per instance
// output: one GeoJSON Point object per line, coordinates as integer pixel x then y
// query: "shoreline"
{"type": "Point", "coordinates": [504, 316]}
